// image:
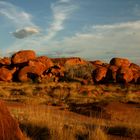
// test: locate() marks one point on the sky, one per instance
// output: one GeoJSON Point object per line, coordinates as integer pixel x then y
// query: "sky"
{"type": "Point", "coordinates": [90, 29]}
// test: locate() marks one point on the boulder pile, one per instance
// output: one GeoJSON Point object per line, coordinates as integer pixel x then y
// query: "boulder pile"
{"type": "Point", "coordinates": [25, 66]}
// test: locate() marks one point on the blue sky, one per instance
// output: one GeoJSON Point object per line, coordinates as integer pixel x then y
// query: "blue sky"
{"type": "Point", "coordinates": [91, 29]}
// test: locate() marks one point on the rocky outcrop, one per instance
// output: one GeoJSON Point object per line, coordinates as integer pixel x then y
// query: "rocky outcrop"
{"type": "Point", "coordinates": [25, 66]}
{"type": "Point", "coordinates": [35, 68]}
{"type": "Point", "coordinates": [47, 62]}
{"type": "Point", "coordinates": [120, 62]}
{"type": "Point", "coordinates": [29, 73]}
{"type": "Point", "coordinates": [9, 128]}
{"type": "Point", "coordinates": [6, 61]}
{"type": "Point", "coordinates": [23, 57]}
{"type": "Point", "coordinates": [6, 74]}
{"type": "Point", "coordinates": [124, 75]}
{"type": "Point", "coordinates": [54, 73]}
{"type": "Point", "coordinates": [99, 74]}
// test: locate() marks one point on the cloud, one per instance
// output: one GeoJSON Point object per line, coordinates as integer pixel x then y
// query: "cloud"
{"type": "Point", "coordinates": [15, 14]}
{"type": "Point", "coordinates": [136, 10]}
{"type": "Point", "coordinates": [96, 42]}
{"type": "Point", "coordinates": [25, 32]}
{"type": "Point", "coordinates": [126, 25]}
{"type": "Point", "coordinates": [64, 0]}
{"type": "Point", "coordinates": [104, 42]}
{"type": "Point", "coordinates": [61, 12]}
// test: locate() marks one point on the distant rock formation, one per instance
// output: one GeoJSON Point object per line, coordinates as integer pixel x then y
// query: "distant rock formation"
{"type": "Point", "coordinates": [25, 66]}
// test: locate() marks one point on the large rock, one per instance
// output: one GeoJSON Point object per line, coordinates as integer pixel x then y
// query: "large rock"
{"type": "Point", "coordinates": [35, 68]}
{"type": "Point", "coordinates": [6, 61]}
{"type": "Point", "coordinates": [23, 56]}
{"type": "Point", "coordinates": [99, 74]}
{"type": "Point", "coordinates": [9, 128]}
{"type": "Point", "coordinates": [29, 73]}
{"type": "Point", "coordinates": [6, 74]}
{"type": "Point", "coordinates": [124, 75]}
{"type": "Point", "coordinates": [47, 62]}
{"type": "Point", "coordinates": [120, 62]}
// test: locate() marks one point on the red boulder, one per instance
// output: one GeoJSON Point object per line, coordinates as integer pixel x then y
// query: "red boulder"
{"type": "Point", "coordinates": [120, 62]}
{"type": "Point", "coordinates": [6, 61]}
{"type": "Point", "coordinates": [6, 74]}
{"type": "Point", "coordinates": [28, 73]}
{"type": "Point", "coordinates": [99, 74]}
{"type": "Point", "coordinates": [124, 75]}
{"type": "Point", "coordinates": [47, 62]}
{"type": "Point", "coordinates": [23, 56]}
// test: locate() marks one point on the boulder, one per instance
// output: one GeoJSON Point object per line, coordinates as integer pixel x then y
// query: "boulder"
{"type": "Point", "coordinates": [6, 74]}
{"type": "Point", "coordinates": [120, 62]}
{"type": "Point", "coordinates": [124, 75]}
{"type": "Point", "coordinates": [29, 73]}
{"type": "Point", "coordinates": [9, 128]}
{"type": "Point", "coordinates": [47, 62]}
{"type": "Point", "coordinates": [23, 57]}
{"type": "Point", "coordinates": [99, 74]}
{"type": "Point", "coordinates": [6, 61]}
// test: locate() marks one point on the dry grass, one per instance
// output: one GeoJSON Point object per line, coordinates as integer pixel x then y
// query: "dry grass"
{"type": "Point", "coordinates": [40, 123]}
{"type": "Point", "coordinates": [51, 123]}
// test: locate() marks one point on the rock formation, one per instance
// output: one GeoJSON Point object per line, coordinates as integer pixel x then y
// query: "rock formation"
{"type": "Point", "coordinates": [25, 66]}
{"type": "Point", "coordinates": [23, 57]}
{"type": "Point", "coordinates": [6, 74]}
{"type": "Point", "coordinates": [99, 74]}
{"type": "Point", "coordinates": [124, 75]}
{"type": "Point", "coordinates": [119, 62]}
{"type": "Point", "coordinates": [6, 61]}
